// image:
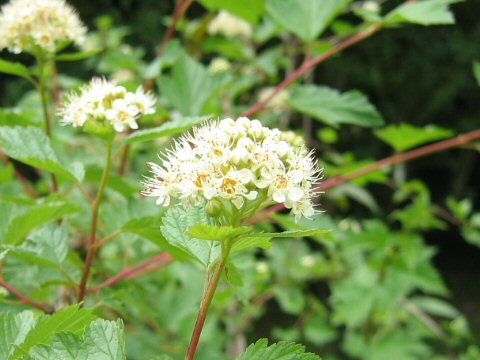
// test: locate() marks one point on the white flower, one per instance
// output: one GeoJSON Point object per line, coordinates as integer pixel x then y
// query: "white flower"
{"type": "Point", "coordinates": [230, 26]}
{"type": "Point", "coordinates": [229, 164]}
{"type": "Point", "coordinates": [30, 25]}
{"type": "Point", "coordinates": [219, 65]}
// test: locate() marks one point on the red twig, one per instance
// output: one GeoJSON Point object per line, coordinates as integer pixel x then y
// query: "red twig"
{"type": "Point", "coordinates": [24, 298]}
{"type": "Point", "coordinates": [161, 259]}
{"type": "Point", "coordinates": [310, 63]}
{"type": "Point", "coordinates": [391, 160]}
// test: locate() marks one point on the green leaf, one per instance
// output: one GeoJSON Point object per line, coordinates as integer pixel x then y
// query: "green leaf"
{"type": "Point", "coordinates": [293, 233]}
{"type": "Point", "coordinates": [168, 129]}
{"type": "Point", "coordinates": [13, 331]}
{"type": "Point", "coordinates": [78, 55]}
{"type": "Point", "coordinates": [405, 136]}
{"type": "Point", "coordinates": [175, 227]}
{"type": "Point", "coordinates": [250, 10]}
{"type": "Point", "coordinates": [476, 71]}
{"type": "Point", "coordinates": [31, 146]}
{"type": "Point", "coordinates": [215, 232]}
{"type": "Point", "coordinates": [189, 86]}
{"type": "Point", "coordinates": [333, 108]}
{"type": "Point", "coordinates": [280, 351]}
{"type": "Point", "coordinates": [427, 12]}
{"type": "Point", "coordinates": [25, 221]}
{"type": "Point", "coordinates": [14, 68]}
{"type": "Point", "coordinates": [251, 242]}
{"type": "Point", "coordinates": [72, 319]}
{"type": "Point", "coordinates": [306, 18]}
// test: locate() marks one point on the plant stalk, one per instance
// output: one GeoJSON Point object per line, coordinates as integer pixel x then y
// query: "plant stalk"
{"type": "Point", "coordinates": [206, 301]}
{"type": "Point", "coordinates": [93, 233]}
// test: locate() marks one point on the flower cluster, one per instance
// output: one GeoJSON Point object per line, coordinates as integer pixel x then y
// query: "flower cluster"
{"type": "Point", "coordinates": [33, 25]}
{"type": "Point", "coordinates": [239, 163]}
{"type": "Point", "coordinates": [230, 26]}
{"type": "Point", "coordinates": [104, 103]}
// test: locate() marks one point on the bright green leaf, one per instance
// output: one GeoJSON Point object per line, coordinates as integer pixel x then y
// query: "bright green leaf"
{"type": "Point", "coordinates": [14, 68]}
{"type": "Point", "coordinates": [405, 136]}
{"type": "Point", "coordinates": [426, 12]}
{"type": "Point", "coordinates": [251, 242]}
{"type": "Point", "coordinates": [476, 71]}
{"type": "Point", "coordinates": [280, 351]}
{"type": "Point", "coordinates": [13, 331]}
{"type": "Point", "coordinates": [168, 129]}
{"type": "Point", "coordinates": [333, 108]}
{"type": "Point", "coordinates": [250, 10]}
{"type": "Point", "coordinates": [31, 146]}
{"type": "Point", "coordinates": [306, 18]}
{"type": "Point", "coordinates": [214, 232]}
{"type": "Point", "coordinates": [189, 86]}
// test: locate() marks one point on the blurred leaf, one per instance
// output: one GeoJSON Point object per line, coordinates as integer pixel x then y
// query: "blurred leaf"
{"type": "Point", "coordinates": [476, 71]}
{"type": "Point", "coordinates": [279, 351]}
{"type": "Point", "coordinates": [290, 298]}
{"type": "Point", "coordinates": [14, 68]}
{"type": "Point", "coordinates": [306, 18]}
{"type": "Point", "coordinates": [215, 232]}
{"type": "Point", "coordinates": [333, 108]}
{"type": "Point", "coordinates": [405, 136]}
{"type": "Point", "coordinates": [357, 193]}
{"type": "Point", "coordinates": [292, 233]}
{"type": "Point", "coordinates": [78, 55]}
{"type": "Point", "coordinates": [169, 128]}
{"type": "Point", "coordinates": [426, 12]}
{"type": "Point", "coordinates": [250, 10]}
{"type": "Point", "coordinates": [14, 328]}
{"type": "Point", "coordinates": [72, 319]}
{"type": "Point", "coordinates": [31, 146]}
{"type": "Point", "coordinates": [435, 306]}
{"type": "Point", "coordinates": [175, 227]}
{"type": "Point", "coordinates": [189, 86]}
{"type": "Point", "coordinates": [318, 331]}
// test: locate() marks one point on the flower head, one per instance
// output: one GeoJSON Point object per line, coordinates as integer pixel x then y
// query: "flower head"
{"type": "Point", "coordinates": [33, 25]}
{"type": "Point", "coordinates": [106, 104]}
{"type": "Point", "coordinates": [230, 26]}
{"type": "Point", "coordinates": [236, 166]}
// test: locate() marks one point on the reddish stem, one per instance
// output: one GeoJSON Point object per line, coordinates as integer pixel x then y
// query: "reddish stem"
{"type": "Point", "coordinates": [391, 160]}
{"type": "Point", "coordinates": [24, 298]}
{"type": "Point", "coordinates": [161, 259]}
{"type": "Point", "coordinates": [310, 63]}
{"type": "Point", "coordinates": [28, 188]}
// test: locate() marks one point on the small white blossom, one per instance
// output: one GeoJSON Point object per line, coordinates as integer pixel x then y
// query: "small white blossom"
{"type": "Point", "coordinates": [219, 65]}
{"type": "Point", "coordinates": [279, 100]}
{"type": "Point", "coordinates": [32, 25]}
{"type": "Point", "coordinates": [230, 26]}
{"type": "Point", "coordinates": [105, 103]}
{"type": "Point", "coordinates": [234, 163]}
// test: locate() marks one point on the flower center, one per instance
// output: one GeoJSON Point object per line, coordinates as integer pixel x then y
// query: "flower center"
{"type": "Point", "coordinates": [228, 185]}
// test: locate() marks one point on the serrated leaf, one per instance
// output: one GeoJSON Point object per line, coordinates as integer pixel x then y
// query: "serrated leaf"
{"type": "Point", "coordinates": [250, 10]}
{"type": "Point", "coordinates": [334, 108]}
{"type": "Point", "coordinates": [78, 55]}
{"type": "Point", "coordinates": [72, 319]}
{"type": "Point", "coordinates": [175, 227]}
{"type": "Point", "coordinates": [25, 221]}
{"type": "Point", "coordinates": [13, 331]}
{"type": "Point", "coordinates": [427, 12]}
{"type": "Point", "coordinates": [292, 233]}
{"type": "Point", "coordinates": [251, 242]}
{"type": "Point", "coordinates": [105, 340]}
{"type": "Point", "coordinates": [189, 86]}
{"type": "Point", "coordinates": [405, 136]}
{"type": "Point", "coordinates": [280, 351]}
{"type": "Point", "coordinates": [31, 146]}
{"type": "Point", "coordinates": [306, 18]}
{"type": "Point", "coordinates": [14, 68]}
{"type": "Point", "coordinates": [168, 129]}
{"type": "Point", "coordinates": [215, 232]}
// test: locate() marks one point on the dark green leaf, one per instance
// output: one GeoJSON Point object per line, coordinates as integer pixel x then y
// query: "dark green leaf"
{"type": "Point", "coordinates": [292, 233]}
{"type": "Point", "coordinates": [168, 129]}
{"type": "Point", "coordinates": [31, 146]}
{"type": "Point", "coordinates": [306, 18]}
{"type": "Point", "coordinates": [476, 71]}
{"type": "Point", "coordinates": [14, 68]}
{"type": "Point", "coordinates": [78, 55]}
{"type": "Point", "coordinates": [333, 108]}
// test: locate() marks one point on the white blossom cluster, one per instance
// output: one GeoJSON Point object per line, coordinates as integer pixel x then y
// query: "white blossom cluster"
{"type": "Point", "coordinates": [229, 26]}
{"type": "Point", "coordinates": [33, 25]}
{"type": "Point", "coordinates": [236, 162]}
{"type": "Point", "coordinates": [104, 102]}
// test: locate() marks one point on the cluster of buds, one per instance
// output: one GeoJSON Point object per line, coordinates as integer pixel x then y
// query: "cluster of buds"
{"type": "Point", "coordinates": [103, 106]}
{"type": "Point", "coordinates": [229, 26]}
{"type": "Point", "coordinates": [236, 167]}
{"type": "Point", "coordinates": [35, 26]}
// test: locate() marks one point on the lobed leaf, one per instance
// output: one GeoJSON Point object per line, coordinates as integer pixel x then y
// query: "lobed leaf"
{"type": "Point", "coordinates": [279, 351]}
{"type": "Point", "coordinates": [216, 232]}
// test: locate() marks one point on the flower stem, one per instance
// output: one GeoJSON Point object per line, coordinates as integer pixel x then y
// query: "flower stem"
{"type": "Point", "coordinates": [96, 207]}
{"type": "Point", "coordinates": [206, 301]}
